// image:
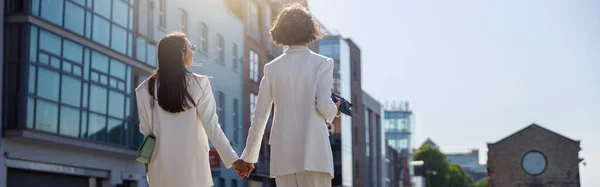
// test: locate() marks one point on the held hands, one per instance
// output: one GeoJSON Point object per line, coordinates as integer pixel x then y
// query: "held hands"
{"type": "Point", "coordinates": [243, 168]}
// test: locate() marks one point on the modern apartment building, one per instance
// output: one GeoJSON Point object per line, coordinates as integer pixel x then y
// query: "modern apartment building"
{"type": "Point", "coordinates": [69, 114]}
{"type": "Point", "coordinates": [374, 141]}
{"type": "Point", "coordinates": [347, 133]}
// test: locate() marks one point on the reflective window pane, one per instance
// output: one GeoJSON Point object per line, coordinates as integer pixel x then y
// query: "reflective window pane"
{"type": "Point", "coordinates": [128, 84]}
{"type": "Point", "coordinates": [55, 62]}
{"type": "Point", "coordinates": [127, 109]}
{"type": "Point", "coordinates": [30, 112]}
{"type": "Point", "coordinates": [116, 104]}
{"type": "Point", "coordinates": [119, 13]}
{"type": "Point", "coordinates": [115, 131]}
{"type": "Point", "coordinates": [86, 64]}
{"type": "Point", "coordinates": [35, 7]}
{"type": "Point", "coordinates": [97, 127]}
{"type": "Point", "coordinates": [73, 51]}
{"type": "Point", "coordinates": [80, 2]}
{"type": "Point", "coordinates": [46, 116]}
{"type": "Point", "coordinates": [101, 30]}
{"type": "Point", "coordinates": [31, 79]}
{"type": "Point", "coordinates": [98, 99]}
{"type": "Point", "coordinates": [112, 82]}
{"type": "Point", "coordinates": [48, 81]}
{"type": "Point", "coordinates": [50, 42]}
{"type": "Point", "coordinates": [67, 66]}
{"type": "Point", "coordinates": [131, 19]}
{"type": "Point", "coordinates": [44, 59]}
{"type": "Point", "coordinates": [52, 11]}
{"type": "Point", "coordinates": [33, 44]}
{"type": "Point", "coordinates": [71, 91]}
{"type": "Point", "coordinates": [89, 3]}
{"type": "Point", "coordinates": [69, 121]}
{"type": "Point", "coordinates": [119, 39]}
{"type": "Point", "coordinates": [140, 54]}
{"type": "Point", "coordinates": [88, 25]}
{"type": "Point", "coordinates": [83, 125]}
{"type": "Point", "coordinates": [117, 68]}
{"type": "Point", "coordinates": [151, 55]}
{"type": "Point", "coordinates": [129, 44]}
{"type": "Point", "coordinates": [77, 70]}
{"type": "Point", "coordinates": [99, 62]}
{"type": "Point", "coordinates": [74, 16]}
{"type": "Point", "coordinates": [104, 79]}
{"type": "Point", "coordinates": [85, 95]}
{"type": "Point", "coordinates": [102, 7]}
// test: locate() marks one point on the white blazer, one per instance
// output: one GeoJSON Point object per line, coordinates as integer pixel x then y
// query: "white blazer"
{"type": "Point", "coordinates": [180, 156]}
{"type": "Point", "coordinates": [298, 83]}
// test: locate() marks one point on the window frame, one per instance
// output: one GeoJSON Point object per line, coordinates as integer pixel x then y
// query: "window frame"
{"type": "Point", "coordinates": [183, 20]}
{"type": "Point", "coordinates": [221, 108]}
{"type": "Point", "coordinates": [221, 49]}
{"type": "Point", "coordinates": [254, 69]}
{"type": "Point", "coordinates": [234, 61]}
{"type": "Point", "coordinates": [204, 37]}
{"type": "Point", "coordinates": [162, 17]}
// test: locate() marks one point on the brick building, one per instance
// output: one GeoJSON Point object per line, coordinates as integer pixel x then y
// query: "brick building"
{"type": "Point", "coordinates": [534, 156]}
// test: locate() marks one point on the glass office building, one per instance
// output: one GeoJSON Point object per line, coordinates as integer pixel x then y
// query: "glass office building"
{"type": "Point", "coordinates": [336, 48]}
{"type": "Point", "coordinates": [70, 69]}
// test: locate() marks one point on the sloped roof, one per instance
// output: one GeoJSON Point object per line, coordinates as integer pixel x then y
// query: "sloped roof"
{"type": "Point", "coordinates": [429, 142]}
{"type": "Point", "coordinates": [533, 125]}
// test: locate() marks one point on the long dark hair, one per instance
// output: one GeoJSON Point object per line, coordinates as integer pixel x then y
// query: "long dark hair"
{"type": "Point", "coordinates": [172, 91]}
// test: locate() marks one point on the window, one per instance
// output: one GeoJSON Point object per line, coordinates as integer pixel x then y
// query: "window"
{"type": "Point", "coordinates": [254, 58]}
{"type": "Point", "coordinates": [253, 20]}
{"type": "Point", "coordinates": [236, 124]}
{"type": "Point", "coordinates": [74, 18]}
{"type": "Point", "coordinates": [182, 21]}
{"type": "Point", "coordinates": [101, 30]}
{"type": "Point", "coordinates": [78, 92]}
{"type": "Point", "coordinates": [119, 13]}
{"type": "Point", "coordinates": [252, 104]}
{"type": "Point", "coordinates": [118, 39]}
{"type": "Point", "coordinates": [52, 11]}
{"type": "Point", "coordinates": [204, 37]}
{"type": "Point", "coordinates": [221, 48]}
{"type": "Point", "coordinates": [221, 107]}
{"type": "Point", "coordinates": [235, 57]}
{"type": "Point", "coordinates": [162, 17]}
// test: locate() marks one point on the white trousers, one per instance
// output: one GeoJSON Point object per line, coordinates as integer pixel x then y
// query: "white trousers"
{"type": "Point", "coordinates": [304, 179]}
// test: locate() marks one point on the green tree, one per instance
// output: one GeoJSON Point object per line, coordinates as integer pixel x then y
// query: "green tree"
{"type": "Point", "coordinates": [457, 177]}
{"type": "Point", "coordinates": [434, 160]}
{"type": "Point", "coordinates": [482, 182]}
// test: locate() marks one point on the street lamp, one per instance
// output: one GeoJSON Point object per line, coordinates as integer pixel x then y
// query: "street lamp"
{"type": "Point", "coordinates": [427, 173]}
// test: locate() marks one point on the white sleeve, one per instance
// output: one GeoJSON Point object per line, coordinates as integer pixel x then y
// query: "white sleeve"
{"type": "Point", "coordinates": [325, 105]}
{"type": "Point", "coordinates": [264, 103]}
{"type": "Point", "coordinates": [206, 111]}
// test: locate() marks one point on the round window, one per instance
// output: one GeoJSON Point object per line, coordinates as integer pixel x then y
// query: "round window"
{"type": "Point", "coordinates": [534, 163]}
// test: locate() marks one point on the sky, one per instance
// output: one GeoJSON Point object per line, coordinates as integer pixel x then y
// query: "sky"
{"type": "Point", "coordinates": [477, 71]}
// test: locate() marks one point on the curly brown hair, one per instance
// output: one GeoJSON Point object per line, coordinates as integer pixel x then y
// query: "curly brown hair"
{"type": "Point", "coordinates": [295, 26]}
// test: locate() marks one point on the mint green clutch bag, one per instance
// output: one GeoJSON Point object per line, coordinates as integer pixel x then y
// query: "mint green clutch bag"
{"type": "Point", "coordinates": [144, 153]}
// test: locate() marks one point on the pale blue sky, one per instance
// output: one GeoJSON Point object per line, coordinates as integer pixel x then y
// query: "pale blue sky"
{"type": "Point", "coordinates": [476, 71]}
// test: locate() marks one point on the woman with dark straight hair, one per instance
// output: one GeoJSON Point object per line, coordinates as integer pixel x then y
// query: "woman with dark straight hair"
{"type": "Point", "coordinates": [178, 108]}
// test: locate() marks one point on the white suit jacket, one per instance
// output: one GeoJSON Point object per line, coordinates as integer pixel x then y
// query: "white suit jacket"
{"type": "Point", "coordinates": [298, 83]}
{"type": "Point", "coordinates": [180, 155]}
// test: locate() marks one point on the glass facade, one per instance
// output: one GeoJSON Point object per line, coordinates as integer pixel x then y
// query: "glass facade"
{"type": "Point", "coordinates": [339, 51]}
{"type": "Point", "coordinates": [397, 126]}
{"type": "Point", "coordinates": [78, 92]}
{"type": "Point", "coordinates": [107, 22]}
{"type": "Point", "coordinates": [346, 121]}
